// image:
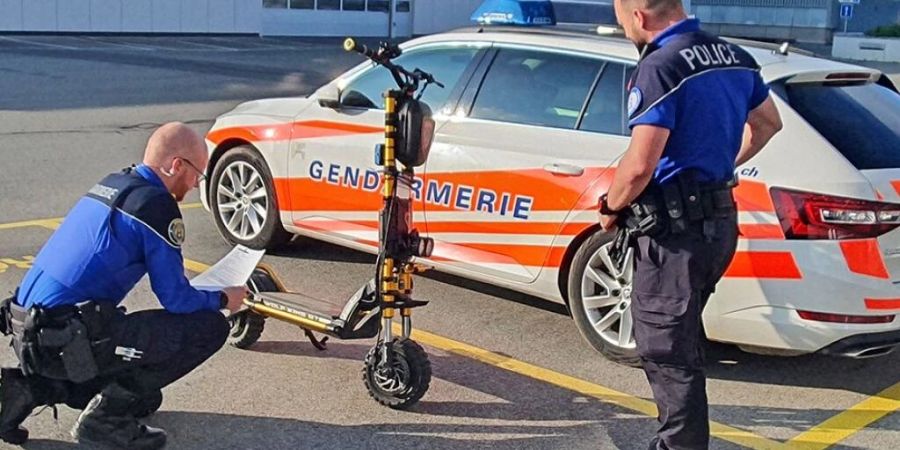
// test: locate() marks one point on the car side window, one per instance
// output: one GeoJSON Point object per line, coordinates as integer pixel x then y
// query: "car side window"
{"type": "Point", "coordinates": [447, 64]}
{"type": "Point", "coordinates": [606, 109]}
{"type": "Point", "coordinates": [535, 88]}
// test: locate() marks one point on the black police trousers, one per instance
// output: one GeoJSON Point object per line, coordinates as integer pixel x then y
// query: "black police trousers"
{"type": "Point", "coordinates": [154, 348]}
{"type": "Point", "coordinates": [674, 277]}
{"type": "Point", "coordinates": [148, 350]}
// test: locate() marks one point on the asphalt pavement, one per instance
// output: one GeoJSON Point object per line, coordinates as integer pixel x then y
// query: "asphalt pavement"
{"type": "Point", "coordinates": [510, 371]}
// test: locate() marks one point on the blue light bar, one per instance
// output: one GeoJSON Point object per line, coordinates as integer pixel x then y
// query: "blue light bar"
{"type": "Point", "coordinates": [515, 12]}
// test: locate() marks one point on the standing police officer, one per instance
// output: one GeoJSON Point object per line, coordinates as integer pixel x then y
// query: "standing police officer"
{"type": "Point", "coordinates": [697, 108]}
{"type": "Point", "coordinates": [73, 341]}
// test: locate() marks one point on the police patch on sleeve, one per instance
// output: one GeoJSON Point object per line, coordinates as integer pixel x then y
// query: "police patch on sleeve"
{"type": "Point", "coordinates": [634, 100]}
{"type": "Point", "coordinates": [176, 231]}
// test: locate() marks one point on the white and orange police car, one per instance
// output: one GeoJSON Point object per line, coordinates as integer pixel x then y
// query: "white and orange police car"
{"type": "Point", "coordinates": [529, 128]}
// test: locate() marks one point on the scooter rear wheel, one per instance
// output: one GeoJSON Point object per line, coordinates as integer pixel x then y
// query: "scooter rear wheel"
{"type": "Point", "coordinates": [247, 326]}
{"type": "Point", "coordinates": [401, 382]}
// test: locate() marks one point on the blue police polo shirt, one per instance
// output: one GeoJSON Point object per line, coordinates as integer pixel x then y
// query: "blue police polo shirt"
{"type": "Point", "coordinates": [702, 88]}
{"type": "Point", "coordinates": [125, 227]}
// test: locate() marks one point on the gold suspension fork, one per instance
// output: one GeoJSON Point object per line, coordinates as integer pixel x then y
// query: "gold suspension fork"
{"type": "Point", "coordinates": [406, 285]}
{"type": "Point", "coordinates": [388, 278]}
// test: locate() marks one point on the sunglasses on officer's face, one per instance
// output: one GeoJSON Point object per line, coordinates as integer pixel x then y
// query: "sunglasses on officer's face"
{"type": "Point", "coordinates": [200, 175]}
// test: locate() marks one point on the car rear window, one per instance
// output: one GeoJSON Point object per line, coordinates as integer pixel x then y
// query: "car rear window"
{"type": "Point", "coordinates": [860, 121]}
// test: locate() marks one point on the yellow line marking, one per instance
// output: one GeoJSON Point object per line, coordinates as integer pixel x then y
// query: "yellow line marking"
{"type": "Point", "coordinates": [849, 422]}
{"type": "Point", "coordinates": [53, 223]}
{"type": "Point", "coordinates": [46, 223]}
{"type": "Point", "coordinates": [194, 266]}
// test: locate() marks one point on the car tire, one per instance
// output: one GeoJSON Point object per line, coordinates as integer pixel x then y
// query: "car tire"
{"type": "Point", "coordinates": [243, 203]}
{"type": "Point", "coordinates": [600, 303]}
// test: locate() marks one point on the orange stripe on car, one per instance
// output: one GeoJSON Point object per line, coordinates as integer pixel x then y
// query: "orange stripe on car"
{"type": "Point", "coordinates": [525, 255]}
{"type": "Point", "coordinates": [760, 231]}
{"type": "Point", "coordinates": [540, 228]}
{"type": "Point", "coordinates": [551, 192]}
{"type": "Point", "coordinates": [306, 129]}
{"type": "Point", "coordinates": [882, 304]}
{"type": "Point", "coordinates": [753, 196]}
{"type": "Point", "coordinates": [324, 128]}
{"type": "Point", "coordinates": [896, 186]}
{"type": "Point", "coordinates": [864, 258]}
{"type": "Point", "coordinates": [756, 264]}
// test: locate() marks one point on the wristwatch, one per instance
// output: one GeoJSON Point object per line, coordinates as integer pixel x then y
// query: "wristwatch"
{"type": "Point", "coordinates": [223, 300]}
{"type": "Point", "coordinates": [604, 206]}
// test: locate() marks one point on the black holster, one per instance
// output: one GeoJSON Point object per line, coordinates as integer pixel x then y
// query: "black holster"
{"type": "Point", "coordinates": [679, 205]}
{"type": "Point", "coordinates": [63, 343]}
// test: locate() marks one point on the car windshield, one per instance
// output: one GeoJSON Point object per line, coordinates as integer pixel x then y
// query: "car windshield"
{"type": "Point", "coordinates": [862, 121]}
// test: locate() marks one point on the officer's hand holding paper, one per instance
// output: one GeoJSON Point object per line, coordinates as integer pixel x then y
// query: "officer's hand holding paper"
{"type": "Point", "coordinates": [230, 275]}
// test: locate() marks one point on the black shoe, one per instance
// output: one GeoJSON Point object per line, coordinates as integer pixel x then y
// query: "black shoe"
{"type": "Point", "coordinates": [108, 420]}
{"type": "Point", "coordinates": [16, 403]}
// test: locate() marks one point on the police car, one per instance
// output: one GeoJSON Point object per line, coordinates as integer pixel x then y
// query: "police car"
{"type": "Point", "coordinates": [529, 129]}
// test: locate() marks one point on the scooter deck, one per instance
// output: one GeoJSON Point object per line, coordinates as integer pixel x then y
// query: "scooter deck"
{"type": "Point", "coordinates": [326, 309]}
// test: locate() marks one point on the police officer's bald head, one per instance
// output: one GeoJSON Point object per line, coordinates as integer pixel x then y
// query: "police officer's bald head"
{"type": "Point", "coordinates": [171, 140]}
{"type": "Point", "coordinates": [178, 155]}
{"type": "Point", "coordinates": [643, 19]}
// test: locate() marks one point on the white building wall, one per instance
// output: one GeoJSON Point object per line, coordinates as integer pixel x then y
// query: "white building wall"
{"type": "Point", "coordinates": [172, 16]}
{"type": "Point", "coordinates": [222, 19]}
{"type": "Point", "coordinates": [247, 16]}
{"type": "Point", "coordinates": [73, 15]}
{"type": "Point", "coordinates": [39, 15]}
{"type": "Point", "coordinates": [298, 22]}
{"type": "Point", "coordinates": [433, 16]}
{"type": "Point", "coordinates": [195, 16]}
{"type": "Point", "coordinates": [137, 15]}
{"type": "Point", "coordinates": [106, 15]}
{"type": "Point", "coordinates": [166, 16]}
{"type": "Point", "coordinates": [11, 19]}
{"type": "Point", "coordinates": [862, 48]}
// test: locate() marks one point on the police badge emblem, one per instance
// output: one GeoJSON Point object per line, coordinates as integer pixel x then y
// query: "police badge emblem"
{"type": "Point", "coordinates": [176, 231]}
{"type": "Point", "coordinates": [634, 100]}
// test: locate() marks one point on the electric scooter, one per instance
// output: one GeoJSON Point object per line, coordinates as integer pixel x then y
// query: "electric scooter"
{"type": "Point", "coordinates": [397, 371]}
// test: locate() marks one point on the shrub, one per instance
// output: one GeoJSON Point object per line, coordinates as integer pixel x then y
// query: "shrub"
{"type": "Point", "coordinates": [892, 30]}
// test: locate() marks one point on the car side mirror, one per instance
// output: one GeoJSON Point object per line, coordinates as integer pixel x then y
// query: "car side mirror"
{"type": "Point", "coordinates": [329, 97]}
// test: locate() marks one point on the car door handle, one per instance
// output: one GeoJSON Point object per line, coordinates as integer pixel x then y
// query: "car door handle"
{"type": "Point", "coordinates": [564, 169]}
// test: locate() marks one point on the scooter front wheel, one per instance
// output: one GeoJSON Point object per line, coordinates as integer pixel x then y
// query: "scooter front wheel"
{"type": "Point", "coordinates": [402, 381]}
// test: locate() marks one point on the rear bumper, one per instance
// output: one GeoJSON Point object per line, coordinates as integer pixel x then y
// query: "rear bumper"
{"type": "Point", "coordinates": [867, 345]}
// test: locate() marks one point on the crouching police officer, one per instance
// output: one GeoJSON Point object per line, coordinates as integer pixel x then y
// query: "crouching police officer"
{"type": "Point", "coordinates": [697, 108]}
{"type": "Point", "coordinates": [74, 343]}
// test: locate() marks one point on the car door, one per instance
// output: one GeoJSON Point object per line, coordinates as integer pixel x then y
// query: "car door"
{"type": "Point", "coordinates": [516, 156]}
{"type": "Point", "coordinates": [335, 182]}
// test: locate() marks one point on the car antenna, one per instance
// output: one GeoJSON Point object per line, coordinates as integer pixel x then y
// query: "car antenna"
{"type": "Point", "coordinates": [783, 49]}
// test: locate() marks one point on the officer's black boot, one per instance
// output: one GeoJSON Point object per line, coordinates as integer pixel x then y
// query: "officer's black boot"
{"type": "Point", "coordinates": [16, 403]}
{"type": "Point", "coordinates": [108, 420]}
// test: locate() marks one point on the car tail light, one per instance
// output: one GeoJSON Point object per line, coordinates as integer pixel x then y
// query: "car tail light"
{"type": "Point", "coordinates": [843, 318]}
{"type": "Point", "coordinates": [806, 215]}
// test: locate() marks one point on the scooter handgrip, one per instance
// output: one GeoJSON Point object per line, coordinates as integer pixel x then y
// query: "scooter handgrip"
{"type": "Point", "coordinates": [351, 45]}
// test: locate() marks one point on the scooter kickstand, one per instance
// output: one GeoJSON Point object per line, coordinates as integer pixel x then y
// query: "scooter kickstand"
{"type": "Point", "coordinates": [318, 344]}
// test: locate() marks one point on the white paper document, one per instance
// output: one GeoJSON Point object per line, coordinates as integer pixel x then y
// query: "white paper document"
{"type": "Point", "coordinates": [232, 270]}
